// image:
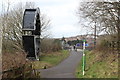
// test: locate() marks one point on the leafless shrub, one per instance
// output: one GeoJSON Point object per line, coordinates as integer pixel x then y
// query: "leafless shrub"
{"type": "Point", "coordinates": [50, 45]}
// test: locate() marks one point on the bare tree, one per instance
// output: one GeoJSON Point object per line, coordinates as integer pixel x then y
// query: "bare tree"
{"type": "Point", "coordinates": [12, 25]}
{"type": "Point", "coordinates": [1, 33]}
{"type": "Point", "coordinates": [105, 14]}
{"type": "Point", "coordinates": [45, 23]}
{"type": "Point", "coordinates": [0, 49]}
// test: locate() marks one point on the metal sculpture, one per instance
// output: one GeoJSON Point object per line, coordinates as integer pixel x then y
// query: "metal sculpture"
{"type": "Point", "coordinates": [31, 32]}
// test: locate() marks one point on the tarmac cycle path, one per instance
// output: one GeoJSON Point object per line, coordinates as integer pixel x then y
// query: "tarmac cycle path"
{"type": "Point", "coordinates": [66, 69]}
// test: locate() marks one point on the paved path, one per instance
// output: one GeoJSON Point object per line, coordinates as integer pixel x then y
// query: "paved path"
{"type": "Point", "coordinates": [65, 69]}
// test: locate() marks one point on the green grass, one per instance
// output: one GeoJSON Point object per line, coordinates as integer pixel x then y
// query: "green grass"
{"type": "Point", "coordinates": [51, 59]}
{"type": "Point", "coordinates": [97, 67]}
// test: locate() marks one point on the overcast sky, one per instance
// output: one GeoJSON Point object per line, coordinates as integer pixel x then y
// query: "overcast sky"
{"type": "Point", "coordinates": [64, 21]}
{"type": "Point", "coordinates": [62, 13]}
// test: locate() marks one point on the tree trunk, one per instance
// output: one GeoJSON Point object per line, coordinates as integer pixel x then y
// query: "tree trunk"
{"type": "Point", "coordinates": [0, 50]}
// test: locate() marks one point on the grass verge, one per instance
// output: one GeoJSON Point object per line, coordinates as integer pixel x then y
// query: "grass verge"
{"type": "Point", "coordinates": [98, 66]}
{"type": "Point", "coordinates": [51, 59]}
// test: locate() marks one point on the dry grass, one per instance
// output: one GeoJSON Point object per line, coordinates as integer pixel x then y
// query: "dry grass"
{"type": "Point", "coordinates": [13, 60]}
{"type": "Point", "coordinates": [16, 66]}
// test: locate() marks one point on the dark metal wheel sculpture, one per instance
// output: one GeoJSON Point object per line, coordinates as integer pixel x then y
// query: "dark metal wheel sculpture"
{"type": "Point", "coordinates": [31, 32]}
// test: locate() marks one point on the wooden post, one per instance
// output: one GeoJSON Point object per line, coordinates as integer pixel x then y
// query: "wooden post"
{"type": "Point", "coordinates": [95, 36]}
{"type": "Point", "coordinates": [118, 38]}
{"type": "Point", "coordinates": [118, 30]}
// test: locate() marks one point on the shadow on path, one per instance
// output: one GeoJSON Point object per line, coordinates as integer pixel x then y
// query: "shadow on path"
{"type": "Point", "coordinates": [66, 69]}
